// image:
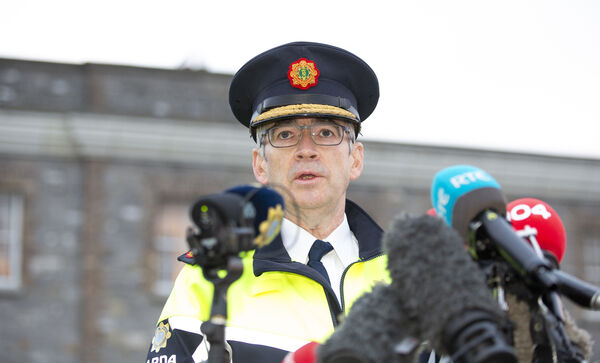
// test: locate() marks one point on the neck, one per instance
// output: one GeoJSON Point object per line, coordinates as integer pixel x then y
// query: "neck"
{"type": "Point", "coordinates": [318, 223]}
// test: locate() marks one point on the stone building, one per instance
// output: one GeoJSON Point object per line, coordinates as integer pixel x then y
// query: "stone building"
{"type": "Point", "coordinates": [99, 163]}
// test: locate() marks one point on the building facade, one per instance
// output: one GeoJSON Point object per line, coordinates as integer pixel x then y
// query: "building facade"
{"type": "Point", "coordinates": [100, 163]}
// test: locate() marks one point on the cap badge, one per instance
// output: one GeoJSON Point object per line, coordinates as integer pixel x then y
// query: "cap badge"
{"type": "Point", "coordinates": [303, 74]}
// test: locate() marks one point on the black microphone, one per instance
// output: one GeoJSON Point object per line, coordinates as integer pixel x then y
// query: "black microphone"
{"type": "Point", "coordinates": [539, 223]}
{"type": "Point", "coordinates": [375, 330]}
{"type": "Point", "coordinates": [471, 201]}
{"type": "Point", "coordinates": [437, 294]}
{"type": "Point", "coordinates": [239, 219]}
{"type": "Point", "coordinates": [579, 291]}
{"type": "Point", "coordinates": [443, 290]}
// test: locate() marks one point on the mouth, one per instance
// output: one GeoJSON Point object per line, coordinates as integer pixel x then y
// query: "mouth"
{"type": "Point", "coordinates": [306, 176]}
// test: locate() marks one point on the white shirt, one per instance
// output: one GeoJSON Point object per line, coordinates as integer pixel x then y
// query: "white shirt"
{"type": "Point", "coordinates": [298, 241]}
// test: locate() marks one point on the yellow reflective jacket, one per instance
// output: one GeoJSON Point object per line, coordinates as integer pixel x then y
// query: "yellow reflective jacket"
{"type": "Point", "coordinates": [276, 306]}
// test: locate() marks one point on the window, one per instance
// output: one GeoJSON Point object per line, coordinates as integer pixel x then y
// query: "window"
{"type": "Point", "coordinates": [169, 243]}
{"type": "Point", "coordinates": [11, 241]}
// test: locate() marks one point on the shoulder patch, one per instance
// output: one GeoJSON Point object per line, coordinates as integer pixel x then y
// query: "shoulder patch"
{"type": "Point", "coordinates": [161, 335]}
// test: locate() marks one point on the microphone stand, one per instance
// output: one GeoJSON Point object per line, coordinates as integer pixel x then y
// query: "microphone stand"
{"type": "Point", "coordinates": [536, 284]}
{"type": "Point", "coordinates": [224, 229]}
{"type": "Point", "coordinates": [548, 334]}
{"type": "Point", "coordinates": [214, 328]}
{"type": "Point", "coordinates": [547, 329]}
{"type": "Point", "coordinates": [547, 324]}
{"type": "Point", "coordinates": [214, 257]}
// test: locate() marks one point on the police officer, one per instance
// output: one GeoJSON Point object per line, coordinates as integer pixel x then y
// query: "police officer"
{"type": "Point", "coordinates": [304, 104]}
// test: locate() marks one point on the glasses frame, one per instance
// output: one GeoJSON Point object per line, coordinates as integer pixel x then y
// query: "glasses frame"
{"type": "Point", "coordinates": [345, 131]}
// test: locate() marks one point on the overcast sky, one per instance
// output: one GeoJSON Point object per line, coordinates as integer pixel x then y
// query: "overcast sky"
{"type": "Point", "coordinates": [511, 75]}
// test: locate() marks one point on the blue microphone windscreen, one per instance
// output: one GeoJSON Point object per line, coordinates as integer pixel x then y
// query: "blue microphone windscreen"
{"type": "Point", "coordinates": [459, 193]}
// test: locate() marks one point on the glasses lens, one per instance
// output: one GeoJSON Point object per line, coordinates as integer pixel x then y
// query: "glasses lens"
{"type": "Point", "coordinates": [282, 136]}
{"type": "Point", "coordinates": [327, 134]}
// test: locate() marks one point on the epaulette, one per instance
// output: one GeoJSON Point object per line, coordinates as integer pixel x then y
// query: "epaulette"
{"type": "Point", "coordinates": [188, 258]}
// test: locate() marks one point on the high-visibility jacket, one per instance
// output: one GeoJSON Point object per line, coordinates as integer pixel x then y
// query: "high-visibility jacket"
{"type": "Point", "coordinates": [276, 306]}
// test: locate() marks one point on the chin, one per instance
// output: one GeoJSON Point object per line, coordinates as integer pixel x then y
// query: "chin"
{"type": "Point", "coordinates": [309, 199]}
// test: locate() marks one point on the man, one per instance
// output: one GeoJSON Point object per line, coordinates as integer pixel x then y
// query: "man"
{"type": "Point", "coordinates": [303, 104]}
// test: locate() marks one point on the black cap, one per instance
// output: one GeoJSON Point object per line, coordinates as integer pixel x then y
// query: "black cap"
{"type": "Point", "coordinates": [303, 79]}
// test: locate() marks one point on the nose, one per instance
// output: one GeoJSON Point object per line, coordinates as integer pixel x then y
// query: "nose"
{"type": "Point", "coordinates": [306, 148]}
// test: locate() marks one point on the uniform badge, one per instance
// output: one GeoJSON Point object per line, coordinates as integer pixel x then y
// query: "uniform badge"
{"type": "Point", "coordinates": [161, 335]}
{"type": "Point", "coordinates": [303, 74]}
{"type": "Point", "coordinates": [268, 230]}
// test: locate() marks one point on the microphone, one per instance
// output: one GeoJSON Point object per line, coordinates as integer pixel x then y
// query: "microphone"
{"type": "Point", "coordinates": [375, 330]}
{"type": "Point", "coordinates": [578, 291]}
{"type": "Point", "coordinates": [443, 291]}
{"type": "Point", "coordinates": [471, 201]}
{"type": "Point", "coordinates": [542, 227]}
{"type": "Point", "coordinates": [537, 221]}
{"type": "Point", "coordinates": [239, 219]}
{"type": "Point", "coordinates": [437, 294]}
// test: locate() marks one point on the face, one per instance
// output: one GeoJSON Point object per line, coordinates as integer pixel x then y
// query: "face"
{"type": "Point", "coordinates": [317, 176]}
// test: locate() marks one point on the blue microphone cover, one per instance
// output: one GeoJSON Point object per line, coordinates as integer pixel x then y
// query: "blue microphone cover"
{"type": "Point", "coordinates": [459, 193]}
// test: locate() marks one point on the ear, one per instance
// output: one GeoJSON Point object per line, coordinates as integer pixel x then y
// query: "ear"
{"type": "Point", "coordinates": [259, 166]}
{"type": "Point", "coordinates": [357, 156]}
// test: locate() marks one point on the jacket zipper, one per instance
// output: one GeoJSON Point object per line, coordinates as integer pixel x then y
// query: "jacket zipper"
{"type": "Point", "coordinates": [343, 302]}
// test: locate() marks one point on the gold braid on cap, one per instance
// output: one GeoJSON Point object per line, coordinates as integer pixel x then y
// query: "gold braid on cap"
{"type": "Point", "coordinates": [307, 108]}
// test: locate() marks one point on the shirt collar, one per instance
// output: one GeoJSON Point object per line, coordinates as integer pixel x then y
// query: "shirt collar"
{"type": "Point", "coordinates": [298, 241]}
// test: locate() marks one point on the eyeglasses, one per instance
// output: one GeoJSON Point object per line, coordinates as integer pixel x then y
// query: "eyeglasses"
{"type": "Point", "coordinates": [324, 134]}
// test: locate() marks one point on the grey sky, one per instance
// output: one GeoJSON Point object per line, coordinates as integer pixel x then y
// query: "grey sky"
{"type": "Point", "coordinates": [507, 75]}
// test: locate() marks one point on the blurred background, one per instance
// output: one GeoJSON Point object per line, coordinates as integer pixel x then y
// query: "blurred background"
{"type": "Point", "coordinates": [114, 119]}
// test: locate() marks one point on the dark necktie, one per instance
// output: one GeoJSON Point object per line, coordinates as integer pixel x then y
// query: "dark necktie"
{"type": "Point", "coordinates": [317, 251]}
